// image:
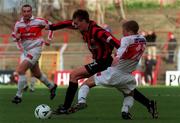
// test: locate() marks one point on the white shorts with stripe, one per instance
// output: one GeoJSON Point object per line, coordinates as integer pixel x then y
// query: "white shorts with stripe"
{"type": "Point", "coordinates": [32, 55]}
{"type": "Point", "coordinates": [113, 77]}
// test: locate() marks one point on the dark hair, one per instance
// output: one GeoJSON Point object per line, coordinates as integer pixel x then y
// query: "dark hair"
{"type": "Point", "coordinates": [81, 14]}
{"type": "Point", "coordinates": [131, 26]}
{"type": "Point", "coordinates": [26, 5]}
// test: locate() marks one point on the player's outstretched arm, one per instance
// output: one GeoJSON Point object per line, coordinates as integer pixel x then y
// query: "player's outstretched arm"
{"type": "Point", "coordinates": [62, 24]}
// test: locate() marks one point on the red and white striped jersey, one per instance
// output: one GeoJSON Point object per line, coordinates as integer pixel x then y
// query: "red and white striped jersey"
{"type": "Point", "coordinates": [31, 32]}
{"type": "Point", "coordinates": [130, 51]}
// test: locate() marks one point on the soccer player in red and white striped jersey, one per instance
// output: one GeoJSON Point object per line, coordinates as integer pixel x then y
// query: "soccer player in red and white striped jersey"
{"type": "Point", "coordinates": [27, 34]}
{"type": "Point", "coordinates": [119, 76]}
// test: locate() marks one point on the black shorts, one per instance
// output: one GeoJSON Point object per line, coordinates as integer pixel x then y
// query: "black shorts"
{"type": "Point", "coordinates": [98, 65]}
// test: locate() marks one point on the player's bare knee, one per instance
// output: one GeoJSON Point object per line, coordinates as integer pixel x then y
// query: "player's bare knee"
{"type": "Point", "coordinates": [73, 78]}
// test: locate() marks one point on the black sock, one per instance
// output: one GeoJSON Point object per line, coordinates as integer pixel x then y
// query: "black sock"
{"type": "Point", "coordinates": [141, 98]}
{"type": "Point", "coordinates": [70, 93]}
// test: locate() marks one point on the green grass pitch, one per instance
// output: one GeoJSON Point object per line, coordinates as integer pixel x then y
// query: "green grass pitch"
{"type": "Point", "coordinates": [104, 106]}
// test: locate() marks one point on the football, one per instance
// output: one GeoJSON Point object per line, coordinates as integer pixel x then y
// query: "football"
{"type": "Point", "coordinates": [43, 111]}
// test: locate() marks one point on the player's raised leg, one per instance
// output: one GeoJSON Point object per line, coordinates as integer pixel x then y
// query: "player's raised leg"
{"type": "Point", "coordinates": [42, 77]}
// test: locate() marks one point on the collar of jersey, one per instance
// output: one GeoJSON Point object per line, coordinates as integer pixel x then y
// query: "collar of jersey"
{"type": "Point", "coordinates": [22, 20]}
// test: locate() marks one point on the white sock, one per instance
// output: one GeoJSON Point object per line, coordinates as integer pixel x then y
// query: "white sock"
{"type": "Point", "coordinates": [21, 82]}
{"type": "Point", "coordinates": [45, 81]}
{"type": "Point", "coordinates": [127, 104]}
{"type": "Point", "coordinates": [32, 83]}
{"type": "Point", "coordinates": [82, 93]}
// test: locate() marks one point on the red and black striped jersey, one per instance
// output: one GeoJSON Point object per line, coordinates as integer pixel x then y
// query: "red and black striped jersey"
{"type": "Point", "coordinates": [99, 41]}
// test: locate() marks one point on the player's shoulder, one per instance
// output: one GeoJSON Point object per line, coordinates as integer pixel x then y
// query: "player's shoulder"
{"type": "Point", "coordinates": [92, 22]}
{"type": "Point", "coordinates": [94, 25]}
{"type": "Point", "coordinates": [127, 40]}
{"type": "Point", "coordinates": [96, 29]}
{"type": "Point", "coordinates": [17, 23]}
{"type": "Point", "coordinates": [41, 19]}
{"type": "Point", "coordinates": [132, 37]}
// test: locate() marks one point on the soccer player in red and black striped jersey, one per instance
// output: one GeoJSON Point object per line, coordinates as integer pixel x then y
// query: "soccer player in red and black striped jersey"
{"type": "Point", "coordinates": [100, 43]}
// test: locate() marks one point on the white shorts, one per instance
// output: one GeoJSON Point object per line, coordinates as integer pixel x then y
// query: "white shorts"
{"type": "Point", "coordinates": [32, 55]}
{"type": "Point", "coordinates": [112, 77]}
